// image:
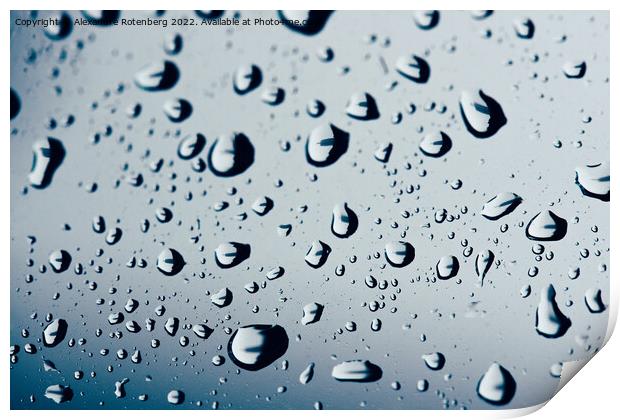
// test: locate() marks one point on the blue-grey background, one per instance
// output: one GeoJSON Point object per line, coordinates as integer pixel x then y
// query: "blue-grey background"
{"type": "Point", "coordinates": [525, 76]}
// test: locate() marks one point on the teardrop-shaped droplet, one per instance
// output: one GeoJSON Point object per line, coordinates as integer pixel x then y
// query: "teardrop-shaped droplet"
{"type": "Point", "coordinates": [317, 254]}
{"type": "Point", "coordinates": [312, 313]}
{"type": "Point", "coordinates": [550, 321]}
{"type": "Point", "coordinates": [170, 262]}
{"type": "Point", "coordinates": [593, 180]}
{"type": "Point", "coordinates": [160, 75]}
{"type": "Point", "coordinates": [247, 78]}
{"type": "Point", "coordinates": [255, 347]}
{"type": "Point", "coordinates": [447, 267]}
{"type": "Point", "coordinates": [231, 155]}
{"type": "Point", "coordinates": [399, 253]}
{"type": "Point", "coordinates": [177, 110]}
{"type": "Point", "coordinates": [546, 226]}
{"type": "Point", "coordinates": [496, 386]}
{"type": "Point", "coordinates": [315, 108]}
{"type": "Point", "coordinates": [326, 144]}
{"type": "Point", "coordinates": [231, 254]}
{"type": "Point", "coordinates": [344, 221]}
{"type": "Point", "coordinates": [173, 44]}
{"type": "Point", "coordinates": [48, 154]}
{"type": "Point", "coordinates": [414, 68]}
{"type": "Point", "coordinates": [357, 371]}
{"type": "Point", "coordinates": [500, 205]}
{"type": "Point", "coordinates": [362, 106]}
{"type": "Point", "coordinates": [484, 261]}
{"type": "Point", "coordinates": [435, 144]}
{"type": "Point", "coordinates": [307, 22]}
{"type": "Point", "coordinates": [483, 116]}
{"type": "Point", "coordinates": [191, 145]}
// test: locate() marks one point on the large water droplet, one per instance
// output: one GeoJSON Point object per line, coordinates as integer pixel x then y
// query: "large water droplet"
{"type": "Point", "coordinates": [524, 28]}
{"type": "Point", "coordinates": [191, 145]}
{"type": "Point", "coordinates": [574, 69]}
{"type": "Point", "coordinates": [161, 75]}
{"type": "Point", "coordinates": [414, 68]}
{"type": "Point", "coordinates": [177, 110]}
{"type": "Point", "coordinates": [362, 106]}
{"type": "Point", "coordinates": [48, 154]}
{"type": "Point", "coordinates": [483, 116]}
{"type": "Point", "coordinates": [231, 254]}
{"type": "Point", "coordinates": [60, 260]}
{"type": "Point", "coordinates": [307, 374]}
{"type": "Point", "coordinates": [593, 180]}
{"type": "Point", "coordinates": [399, 253]}
{"type": "Point", "coordinates": [312, 313]}
{"type": "Point", "coordinates": [496, 386]}
{"type": "Point", "coordinates": [325, 145]}
{"type": "Point", "coordinates": [435, 144]}
{"type": "Point", "coordinates": [59, 393]}
{"type": "Point", "coordinates": [170, 262]}
{"type": "Point", "coordinates": [484, 261]}
{"type": "Point", "coordinates": [344, 221]}
{"type": "Point", "coordinates": [447, 267]}
{"type": "Point", "coordinates": [357, 371]}
{"type": "Point", "coordinates": [247, 78]}
{"type": "Point", "coordinates": [546, 226]}
{"type": "Point", "coordinates": [255, 347]}
{"type": "Point", "coordinates": [55, 332]}
{"type": "Point", "coordinates": [231, 155]}
{"type": "Point", "coordinates": [500, 205]}
{"type": "Point", "coordinates": [317, 254]}
{"type": "Point", "coordinates": [434, 361]}
{"type": "Point", "coordinates": [594, 301]}
{"type": "Point", "coordinates": [550, 321]}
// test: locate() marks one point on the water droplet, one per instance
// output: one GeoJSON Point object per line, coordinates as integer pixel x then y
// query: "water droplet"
{"type": "Point", "coordinates": [362, 106]}
{"type": "Point", "coordinates": [177, 110]}
{"type": "Point", "coordinates": [307, 22]}
{"type": "Point", "coordinates": [317, 254]}
{"type": "Point", "coordinates": [312, 313]}
{"type": "Point", "coordinates": [191, 145]}
{"type": "Point", "coordinates": [325, 145]}
{"type": "Point", "coordinates": [59, 393]}
{"type": "Point", "coordinates": [231, 254]}
{"type": "Point", "coordinates": [414, 68]}
{"type": "Point", "coordinates": [447, 267]}
{"type": "Point", "coordinates": [175, 397]}
{"type": "Point", "coordinates": [434, 361]}
{"type": "Point", "coordinates": [357, 371]}
{"type": "Point", "coordinates": [247, 78]}
{"type": "Point", "coordinates": [546, 226]}
{"type": "Point", "coordinates": [60, 260]}
{"type": "Point", "coordinates": [399, 253]}
{"type": "Point", "coordinates": [484, 261]}
{"type": "Point", "coordinates": [496, 386]}
{"type": "Point", "coordinates": [55, 332]}
{"type": "Point", "coordinates": [170, 262]}
{"type": "Point", "coordinates": [307, 374]}
{"type": "Point", "coordinates": [231, 155]}
{"type": "Point", "coordinates": [161, 75]}
{"type": "Point", "coordinates": [550, 321]}
{"type": "Point", "coordinates": [593, 180]}
{"type": "Point", "coordinates": [483, 116]}
{"type": "Point", "coordinates": [344, 221]}
{"type": "Point", "coordinates": [426, 19]}
{"type": "Point", "coordinates": [435, 144]}
{"type": "Point", "coordinates": [500, 205]}
{"type": "Point", "coordinates": [254, 347]}
{"type": "Point", "coordinates": [574, 69]}
{"type": "Point", "coordinates": [594, 301]}
{"type": "Point", "coordinates": [48, 154]}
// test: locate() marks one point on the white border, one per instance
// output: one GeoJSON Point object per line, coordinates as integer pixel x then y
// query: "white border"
{"type": "Point", "coordinates": [592, 395]}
